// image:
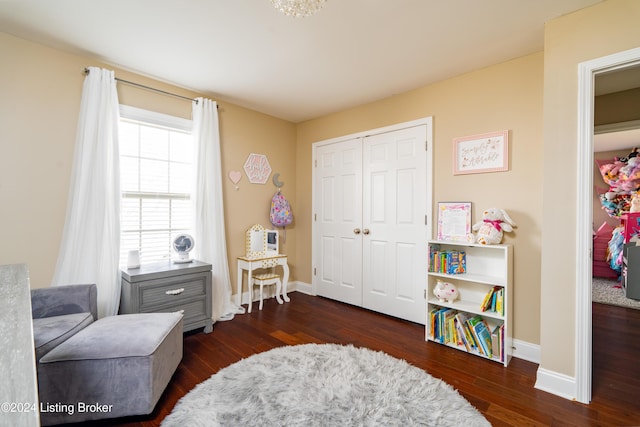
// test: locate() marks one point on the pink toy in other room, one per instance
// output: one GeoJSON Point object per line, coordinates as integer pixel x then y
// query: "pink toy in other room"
{"type": "Point", "coordinates": [445, 291]}
{"type": "Point", "coordinates": [600, 266]}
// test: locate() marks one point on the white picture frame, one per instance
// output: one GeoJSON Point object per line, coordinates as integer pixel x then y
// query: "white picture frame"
{"type": "Point", "coordinates": [454, 221]}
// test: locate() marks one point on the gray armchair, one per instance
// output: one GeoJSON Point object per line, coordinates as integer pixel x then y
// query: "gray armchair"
{"type": "Point", "coordinates": [89, 369]}
{"type": "Point", "coordinates": [60, 312]}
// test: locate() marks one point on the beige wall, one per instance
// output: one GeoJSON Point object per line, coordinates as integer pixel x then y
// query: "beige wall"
{"type": "Point", "coordinates": [504, 96]}
{"type": "Point", "coordinates": [588, 34]}
{"type": "Point", "coordinates": [41, 89]}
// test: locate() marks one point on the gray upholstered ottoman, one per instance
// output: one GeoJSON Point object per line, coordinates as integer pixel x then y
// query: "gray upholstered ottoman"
{"type": "Point", "coordinates": [118, 366]}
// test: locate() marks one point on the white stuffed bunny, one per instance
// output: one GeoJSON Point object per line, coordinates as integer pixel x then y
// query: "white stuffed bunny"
{"type": "Point", "coordinates": [490, 230]}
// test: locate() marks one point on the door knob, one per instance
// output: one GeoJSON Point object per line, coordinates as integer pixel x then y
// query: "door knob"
{"type": "Point", "coordinates": [365, 231]}
{"type": "Point", "coordinates": [356, 231]}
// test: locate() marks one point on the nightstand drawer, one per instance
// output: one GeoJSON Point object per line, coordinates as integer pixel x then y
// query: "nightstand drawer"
{"type": "Point", "coordinates": [172, 290]}
{"type": "Point", "coordinates": [193, 311]}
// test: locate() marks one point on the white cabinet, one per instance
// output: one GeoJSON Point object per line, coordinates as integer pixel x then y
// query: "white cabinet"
{"type": "Point", "coordinates": [487, 268]}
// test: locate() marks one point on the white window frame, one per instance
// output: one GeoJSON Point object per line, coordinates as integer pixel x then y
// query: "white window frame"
{"type": "Point", "coordinates": [154, 118]}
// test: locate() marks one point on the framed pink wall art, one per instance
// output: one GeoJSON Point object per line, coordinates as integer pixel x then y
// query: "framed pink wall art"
{"type": "Point", "coordinates": [487, 152]}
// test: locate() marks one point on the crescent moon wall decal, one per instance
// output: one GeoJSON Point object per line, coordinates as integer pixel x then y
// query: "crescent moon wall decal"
{"type": "Point", "coordinates": [277, 182]}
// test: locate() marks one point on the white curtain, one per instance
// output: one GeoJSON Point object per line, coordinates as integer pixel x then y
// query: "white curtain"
{"type": "Point", "coordinates": [90, 245]}
{"type": "Point", "coordinates": [209, 234]}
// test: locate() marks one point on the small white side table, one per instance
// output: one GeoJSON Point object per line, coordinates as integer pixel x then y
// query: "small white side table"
{"type": "Point", "coordinates": [250, 264]}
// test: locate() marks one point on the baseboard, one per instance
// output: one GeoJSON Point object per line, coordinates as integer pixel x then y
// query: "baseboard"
{"type": "Point", "coordinates": [555, 383]}
{"type": "Point", "coordinates": [269, 292]}
{"type": "Point", "coordinates": [526, 351]}
{"type": "Point", "coordinates": [305, 288]}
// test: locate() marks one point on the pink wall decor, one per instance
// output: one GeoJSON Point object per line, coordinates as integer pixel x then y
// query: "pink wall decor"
{"type": "Point", "coordinates": [257, 168]}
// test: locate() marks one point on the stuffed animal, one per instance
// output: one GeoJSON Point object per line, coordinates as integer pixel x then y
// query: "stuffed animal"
{"type": "Point", "coordinates": [490, 230]}
{"type": "Point", "coordinates": [635, 203]}
{"type": "Point", "coordinates": [632, 154]}
{"type": "Point", "coordinates": [445, 291]}
{"type": "Point", "coordinates": [630, 169]}
{"type": "Point", "coordinates": [609, 202]}
{"type": "Point", "coordinates": [610, 171]}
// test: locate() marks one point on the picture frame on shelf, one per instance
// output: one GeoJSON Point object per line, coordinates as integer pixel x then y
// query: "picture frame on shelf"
{"type": "Point", "coordinates": [487, 152]}
{"type": "Point", "coordinates": [454, 221]}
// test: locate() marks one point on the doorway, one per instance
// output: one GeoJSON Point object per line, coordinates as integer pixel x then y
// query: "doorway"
{"type": "Point", "coordinates": [588, 72]}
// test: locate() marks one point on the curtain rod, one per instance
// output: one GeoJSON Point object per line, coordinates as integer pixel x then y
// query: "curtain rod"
{"type": "Point", "coordinates": [153, 89]}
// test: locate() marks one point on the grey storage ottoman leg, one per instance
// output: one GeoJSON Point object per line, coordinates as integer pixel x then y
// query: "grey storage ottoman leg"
{"type": "Point", "coordinates": [115, 367]}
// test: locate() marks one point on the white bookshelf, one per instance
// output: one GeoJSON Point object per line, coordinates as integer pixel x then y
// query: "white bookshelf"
{"type": "Point", "coordinates": [487, 266]}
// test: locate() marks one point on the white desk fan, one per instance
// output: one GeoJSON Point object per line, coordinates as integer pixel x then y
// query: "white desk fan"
{"type": "Point", "coordinates": [183, 244]}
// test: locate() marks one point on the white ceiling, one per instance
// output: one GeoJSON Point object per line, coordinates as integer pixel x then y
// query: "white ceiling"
{"type": "Point", "coordinates": [246, 52]}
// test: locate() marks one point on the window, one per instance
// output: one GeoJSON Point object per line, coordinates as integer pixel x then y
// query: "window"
{"type": "Point", "coordinates": [156, 156]}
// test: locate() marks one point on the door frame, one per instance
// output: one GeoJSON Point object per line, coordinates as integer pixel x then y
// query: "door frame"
{"type": "Point", "coordinates": [428, 122]}
{"type": "Point", "coordinates": [587, 72]}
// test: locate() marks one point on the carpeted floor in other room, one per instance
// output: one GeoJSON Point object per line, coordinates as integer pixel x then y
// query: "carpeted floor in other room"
{"type": "Point", "coordinates": [608, 291]}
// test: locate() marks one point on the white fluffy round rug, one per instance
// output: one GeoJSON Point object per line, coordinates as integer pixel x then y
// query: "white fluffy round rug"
{"type": "Point", "coordinates": [323, 385]}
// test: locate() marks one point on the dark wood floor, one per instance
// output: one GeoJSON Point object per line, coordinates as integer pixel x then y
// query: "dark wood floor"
{"type": "Point", "coordinates": [506, 396]}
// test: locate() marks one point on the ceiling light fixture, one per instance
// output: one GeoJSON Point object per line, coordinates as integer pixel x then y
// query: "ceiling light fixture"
{"type": "Point", "coordinates": [298, 8]}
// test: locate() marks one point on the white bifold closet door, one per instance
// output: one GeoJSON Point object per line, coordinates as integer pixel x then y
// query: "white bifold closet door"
{"type": "Point", "coordinates": [370, 234]}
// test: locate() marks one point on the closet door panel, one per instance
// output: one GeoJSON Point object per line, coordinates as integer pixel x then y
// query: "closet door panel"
{"type": "Point", "coordinates": [405, 259]}
{"type": "Point", "coordinates": [339, 188]}
{"type": "Point", "coordinates": [378, 280]}
{"type": "Point", "coordinates": [394, 207]}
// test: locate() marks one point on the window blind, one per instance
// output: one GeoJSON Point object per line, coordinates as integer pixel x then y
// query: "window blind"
{"type": "Point", "coordinates": [156, 184]}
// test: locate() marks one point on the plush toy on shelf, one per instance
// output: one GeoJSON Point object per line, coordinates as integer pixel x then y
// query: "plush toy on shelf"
{"type": "Point", "coordinates": [490, 230]}
{"type": "Point", "coordinates": [635, 203]}
{"type": "Point", "coordinates": [445, 291]}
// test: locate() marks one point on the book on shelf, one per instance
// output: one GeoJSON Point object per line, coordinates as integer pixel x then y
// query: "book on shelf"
{"type": "Point", "coordinates": [451, 336]}
{"type": "Point", "coordinates": [481, 334]}
{"type": "Point", "coordinates": [432, 323]}
{"type": "Point", "coordinates": [447, 261]}
{"type": "Point", "coordinates": [463, 331]}
{"type": "Point", "coordinates": [500, 302]}
{"type": "Point", "coordinates": [486, 301]}
{"type": "Point", "coordinates": [470, 323]}
{"type": "Point", "coordinates": [493, 300]}
{"type": "Point", "coordinates": [497, 341]}
{"type": "Point", "coordinates": [446, 331]}
{"type": "Point", "coordinates": [462, 339]}
{"type": "Point", "coordinates": [438, 321]}
{"type": "Point", "coordinates": [484, 335]}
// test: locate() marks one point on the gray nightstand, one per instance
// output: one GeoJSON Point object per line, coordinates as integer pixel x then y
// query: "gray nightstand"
{"type": "Point", "coordinates": [168, 286]}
